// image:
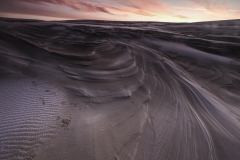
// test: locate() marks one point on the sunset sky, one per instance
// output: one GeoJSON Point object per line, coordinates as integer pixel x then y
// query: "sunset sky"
{"type": "Point", "coordinates": [123, 10]}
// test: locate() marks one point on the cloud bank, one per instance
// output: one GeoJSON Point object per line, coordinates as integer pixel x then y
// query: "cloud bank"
{"type": "Point", "coordinates": [140, 10]}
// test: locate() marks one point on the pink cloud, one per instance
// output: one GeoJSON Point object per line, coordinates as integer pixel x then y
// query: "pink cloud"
{"type": "Point", "coordinates": [113, 9]}
{"type": "Point", "coordinates": [141, 7]}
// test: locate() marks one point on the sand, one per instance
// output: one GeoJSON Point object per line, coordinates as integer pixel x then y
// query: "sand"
{"type": "Point", "coordinates": [99, 90]}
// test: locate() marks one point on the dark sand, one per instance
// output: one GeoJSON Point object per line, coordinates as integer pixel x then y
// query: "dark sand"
{"type": "Point", "coordinates": [96, 90]}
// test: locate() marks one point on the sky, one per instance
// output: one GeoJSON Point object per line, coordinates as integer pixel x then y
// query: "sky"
{"type": "Point", "coordinates": [122, 10]}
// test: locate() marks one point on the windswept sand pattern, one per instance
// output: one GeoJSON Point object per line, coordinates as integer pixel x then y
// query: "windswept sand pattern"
{"type": "Point", "coordinates": [97, 90]}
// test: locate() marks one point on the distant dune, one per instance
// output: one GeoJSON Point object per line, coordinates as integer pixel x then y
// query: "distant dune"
{"type": "Point", "coordinates": [99, 90]}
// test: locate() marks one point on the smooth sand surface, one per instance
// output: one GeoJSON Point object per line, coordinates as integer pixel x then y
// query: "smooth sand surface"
{"type": "Point", "coordinates": [98, 90]}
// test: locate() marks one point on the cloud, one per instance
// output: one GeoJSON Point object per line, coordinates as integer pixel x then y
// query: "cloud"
{"type": "Point", "coordinates": [141, 7]}
{"type": "Point", "coordinates": [149, 8]}
{"type": "Point", "coordinates": [76, 5]}
{"type": "Point", "coordinates": [95, 9]}
{"type": "Point", "coordinates": [211, 5]}
{"type": "Point", "coordinates": [37, 10]}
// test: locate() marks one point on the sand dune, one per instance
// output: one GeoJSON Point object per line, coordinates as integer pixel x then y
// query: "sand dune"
{"type": "Point", "coordinates": [98, 90]}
